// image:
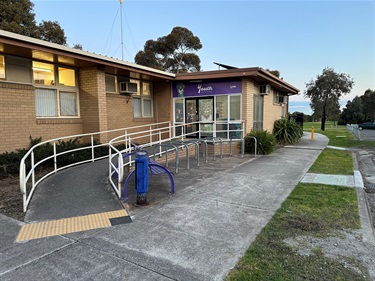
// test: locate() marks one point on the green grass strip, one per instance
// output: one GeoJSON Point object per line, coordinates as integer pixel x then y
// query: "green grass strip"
{"type": "Point", "coordinates": [335, 162]}
{"type": "Point", "coordinates": [311, 210]}
{"type": "Point", "coordinates": [338, 135]}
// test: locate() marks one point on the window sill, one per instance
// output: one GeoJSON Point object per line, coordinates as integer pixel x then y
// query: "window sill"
{"type": "Point", "coordinates": [143, 119]}
{"type": "Point", "coordinates": [58, 121]}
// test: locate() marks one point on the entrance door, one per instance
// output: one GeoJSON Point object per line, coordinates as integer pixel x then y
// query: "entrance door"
{"type": "Point", "coordinates": [191, 118]}
{"type": "Point", "coordinates": [201, 111]}
{"type": "Point", "coordinates": [206, 116]}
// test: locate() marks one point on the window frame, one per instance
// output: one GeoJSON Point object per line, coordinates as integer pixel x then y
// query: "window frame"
{"type": "Point", "coordinates": [142, 97]}
{"type": "Point", "coordinates": [2, 68]}
{"type": "Point", "coordinates": [59, 89]}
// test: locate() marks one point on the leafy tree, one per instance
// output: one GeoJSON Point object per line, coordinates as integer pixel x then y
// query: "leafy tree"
{"type": "Point", "coordinates": [360, 109]}
{"type": "Point", "coordinates": [77, 46]}
{"type": "Point", "coordinates": [173, 53]}
{"type": "Point", "coordinates": [327, 88]}
{"type": "Point", "coordinates": [274, 72]}
{"type": "Point", "coordinates": [368, 103]}
{"type": "Point", "coordinates": [17, 16]}
{"type": "Point", "coordinates": [332, 109]}
{"type": "Point", "coordinates": [51, 31]}
{"type": "Point", "coordinates": [352, 113]}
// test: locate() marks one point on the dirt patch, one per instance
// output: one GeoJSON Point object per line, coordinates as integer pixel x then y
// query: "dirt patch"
{"type": "Point", "coordinates": [345, 247]}
{"type": "Point", "coordinates": [11, 198]}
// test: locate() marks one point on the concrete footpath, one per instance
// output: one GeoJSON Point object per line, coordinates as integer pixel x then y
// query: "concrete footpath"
{"type": "Point", "coordinates": [199, 233]}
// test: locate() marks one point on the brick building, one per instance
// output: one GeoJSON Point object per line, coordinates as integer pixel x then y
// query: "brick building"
{"type": "Point", "coordinates": [50, 91]}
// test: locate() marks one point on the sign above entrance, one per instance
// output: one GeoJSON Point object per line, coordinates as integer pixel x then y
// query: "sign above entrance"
{"type": "Point", "coordinates": [206, 88]}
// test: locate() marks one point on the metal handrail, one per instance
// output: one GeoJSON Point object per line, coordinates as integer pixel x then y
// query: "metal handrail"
{"type": "Point", "coordinates": [26, 176]}
{"type": "Point", "coordinates": [130, 138]}
{"type": "Point", "coordinates": [156, 133]}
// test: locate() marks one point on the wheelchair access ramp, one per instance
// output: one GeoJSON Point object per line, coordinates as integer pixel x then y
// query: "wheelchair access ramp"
{"type": "Point", "coordinates": [73, 200]}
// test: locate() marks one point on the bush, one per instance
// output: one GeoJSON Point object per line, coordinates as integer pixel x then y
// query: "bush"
{"type": "Point", "coordinates": [265, 140]}
{"type": "Point", "coordinates": [10, 161]}
{"type": "Point", "coordinates": [287, 131]}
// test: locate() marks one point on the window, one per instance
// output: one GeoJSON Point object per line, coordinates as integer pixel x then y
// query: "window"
{"type": "Point", "coordinates": [137, 109]}
{"type": "Point", "coordinates": [60, 99]}
{"type": "Point", "coordinates": [138, 86]}
{"type": "Point", "coordinates": [110, 83]}
{"type": "Point", "coordinates": [2, 68]}
{"type": "Point", "coordinates": [54, 103]}
{"type": "Point", "coordinates": [68, 104]}
{"type": "Point", "coordinates": [43, 73]}
{"type": "Point", "coordinates": [46, 103]}
{"type": "Point", "coordinates": [67, 76]}
{"type": "Point", "coordinates": [235, 107]}
{"type": "Point", "coordinates": [258, 112]}
{"type": "Point", "coordinates": [18, 69]}
{"type": "Point", "coordinates": [228, 113]}
{"type": "Point", "coordinates": [142, 100]}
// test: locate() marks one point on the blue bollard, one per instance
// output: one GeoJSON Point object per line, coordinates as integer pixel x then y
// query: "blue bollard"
{"type": "Point", "coordinates": [141, 177]}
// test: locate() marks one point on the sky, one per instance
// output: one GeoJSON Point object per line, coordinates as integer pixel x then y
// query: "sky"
{"type": "Point", "coordinates": [299, 38]}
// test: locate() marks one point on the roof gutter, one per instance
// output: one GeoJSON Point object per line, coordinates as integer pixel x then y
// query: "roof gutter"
{"type": "Point", "coordinates": [25, 41]}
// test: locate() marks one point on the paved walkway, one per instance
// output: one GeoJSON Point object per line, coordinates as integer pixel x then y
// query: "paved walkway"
{"type": "Point", "coordinates": [198, 234]}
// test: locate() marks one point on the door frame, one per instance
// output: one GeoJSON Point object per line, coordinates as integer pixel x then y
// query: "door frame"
{"type": "Point", "coordinates": [197, 113]}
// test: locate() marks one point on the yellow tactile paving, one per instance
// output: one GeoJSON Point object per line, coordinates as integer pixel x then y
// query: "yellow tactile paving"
{"type": "Point", "coordinates": [68, 225]}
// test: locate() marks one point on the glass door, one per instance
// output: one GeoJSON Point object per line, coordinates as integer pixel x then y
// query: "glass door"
{"type": "Point", "coordinates": [206, 116]}
{"type": "Point", "coordinates": [191, 118]}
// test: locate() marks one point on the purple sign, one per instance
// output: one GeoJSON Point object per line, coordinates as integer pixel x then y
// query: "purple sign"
{"type": "Point", "coordinates": [206, 88]}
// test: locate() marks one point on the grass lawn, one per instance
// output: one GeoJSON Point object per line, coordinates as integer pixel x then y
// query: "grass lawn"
{"type": "Point", "coordinates": [332, 161]}
{"type": "Point", "coordinates": [311, 210]}
{"type": "Point", "coordinates": [338, 135]}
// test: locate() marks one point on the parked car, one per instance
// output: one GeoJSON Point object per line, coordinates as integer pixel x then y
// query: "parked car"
{"type": "Point", "coordinates": [367, 125]}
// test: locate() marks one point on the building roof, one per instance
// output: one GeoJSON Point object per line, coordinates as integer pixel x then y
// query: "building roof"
{"type": "Point", "coordinates": [15, 44]}
{"type": "Point", "coordinates": [258, 74]}
{"type": "Point", "coordinates": [28, 47]}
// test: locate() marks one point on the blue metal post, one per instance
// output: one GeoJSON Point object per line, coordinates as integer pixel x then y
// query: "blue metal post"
{"type": "Point", "coordinates": [141, 177]}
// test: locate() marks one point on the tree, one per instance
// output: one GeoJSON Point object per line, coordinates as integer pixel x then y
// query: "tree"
{"type": "Point", "coordinates": [51, 31]}
{"type": "Point", "coordinates": [77, 46]}
{"type": "Point", "coordinates": [274, 72]}
{"type": "Point", "coordinates": [332, 109]}
{"type": "Point", "coordinates": [327, 88]}
{"type": "Point", "coordinates": [17, 16]}
{"type": "Point", "coordinates": [368, 102]}
{"type": "Point", "coordinates": [352, 113]}
{"type": "Point", "coordinates": [173, 53]}
{"type": "Point", "coordinates": [360, 109]}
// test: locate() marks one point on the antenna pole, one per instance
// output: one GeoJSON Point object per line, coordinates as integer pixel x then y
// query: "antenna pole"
{"type": "Point", "coordinates": [122, 40]}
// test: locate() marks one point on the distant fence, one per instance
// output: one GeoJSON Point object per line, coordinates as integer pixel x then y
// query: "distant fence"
{"type": "Point", "coordinates": [355, 130]}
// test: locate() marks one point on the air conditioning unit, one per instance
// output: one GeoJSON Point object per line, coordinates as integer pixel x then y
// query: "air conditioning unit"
{"type": "Point", "coordinates": [265, 89]}
{"type": "Point", "coordinates": [128, 88]}
{"type": "Point", "coordinates": [283, 99]}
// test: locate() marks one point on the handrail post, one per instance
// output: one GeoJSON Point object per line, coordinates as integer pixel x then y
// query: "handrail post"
{"type": "Point", "coordinates": [92, 149]}
{"type": "Point", "coordinates": [24, 192]}
{"type": "Point", "coordinates": [32, 169]}
{"type": "Point", "coordinates": [23, 183]}
{"type": "Point", "coordinates": [54, 156]}
{"type": "Point", "coordinates": [170, 129]}
{"type": "Point", "coordinates": [150, 134]}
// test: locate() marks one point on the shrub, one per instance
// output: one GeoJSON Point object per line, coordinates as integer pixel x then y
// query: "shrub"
{"type": "Point", "coordinates": [287, 131]}
{"type": "Point", "coordinates": [10, 161]}
{"type": "Point", "coordinates": [266, 142]}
